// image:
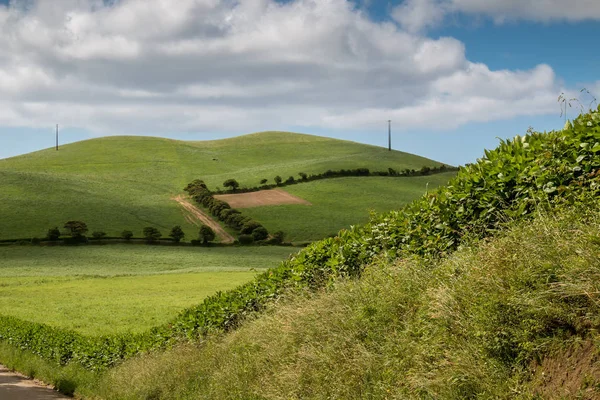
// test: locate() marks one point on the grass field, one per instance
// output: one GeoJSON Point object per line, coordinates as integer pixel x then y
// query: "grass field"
{"type": "Point", "coordinates": [119, 288]}
{"type": "Point", "coordinates": [119, 183]}
{"type": "Point", "coordinates": [341, 202]}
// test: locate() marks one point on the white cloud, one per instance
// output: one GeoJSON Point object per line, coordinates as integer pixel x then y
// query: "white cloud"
{"type": "Point", "coordinates": [152, 66]}
{"type": "Point", "coordinates": [415, 15]}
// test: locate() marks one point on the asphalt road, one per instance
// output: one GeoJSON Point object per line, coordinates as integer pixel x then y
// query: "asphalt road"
{"type": "Point", "coordinates": [16, 387]}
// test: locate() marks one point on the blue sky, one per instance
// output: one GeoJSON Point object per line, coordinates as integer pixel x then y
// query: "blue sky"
{"type": "Point", "coordinates": [452, 75]}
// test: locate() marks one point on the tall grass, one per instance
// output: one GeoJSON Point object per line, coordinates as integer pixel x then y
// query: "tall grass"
{"type": "Point", "coordinates": [472, 327]}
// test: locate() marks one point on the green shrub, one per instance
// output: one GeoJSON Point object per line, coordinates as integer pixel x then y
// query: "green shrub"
{"type": "Point", "coordinates": [127, 235]}
{"type": "Point", "coordinates": [206, 234]}
{"type": "Point", "coordinates": [177, 233]}
{"type": "Point", "coordinates": [260, 233]}
{"type": "Point", "coordinates": [53, 234]}
{"type": "Point", "coordinates": [99, 235]}
{"type": "Point", "coordinates": [246, 239]}
{"type": "Point", "coordinates": [151, 234]}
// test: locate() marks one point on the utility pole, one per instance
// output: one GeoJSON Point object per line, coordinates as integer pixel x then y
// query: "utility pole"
{"type": "Point", "coordinates": [390, 135]}
{"type": "Point", "coordinates": [56, 137]}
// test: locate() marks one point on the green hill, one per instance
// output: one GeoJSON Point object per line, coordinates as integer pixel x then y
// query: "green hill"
{"type": "Point", "coordinates": [118, 183]}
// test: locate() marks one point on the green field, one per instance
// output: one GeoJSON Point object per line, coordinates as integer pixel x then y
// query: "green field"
{"type": "Point", "coordinates": [119, 183]}
{"type": "Point", "coordinates": [120, 288]}
{"type": "Point", "coordinates": [341, 202]}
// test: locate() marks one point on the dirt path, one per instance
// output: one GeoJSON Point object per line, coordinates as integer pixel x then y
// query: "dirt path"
{"type": "Point", "coordinates": [196, 216]}
{"type": "Point", "coordinates": [17, 387]}
{"type": "Point", "coordinates": [273, 197]}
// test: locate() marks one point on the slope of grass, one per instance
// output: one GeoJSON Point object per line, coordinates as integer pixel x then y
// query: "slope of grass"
{"type": "Point", "coordinates": [341, 202]}
{"type": "Point", "coordinates": [98, 290]}
{"type": "Point", "coordinates": [118, 183]}
{"type": "Point", "coordinates": [471, 327]}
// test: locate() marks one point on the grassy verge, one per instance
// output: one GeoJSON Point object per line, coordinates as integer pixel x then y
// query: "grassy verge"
{"type": "Point", "coordinates": [473, 327]}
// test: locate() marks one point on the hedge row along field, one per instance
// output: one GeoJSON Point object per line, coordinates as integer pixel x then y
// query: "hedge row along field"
{"type": "Point", "coordinates": [329, 174]}
{"type": "Point", "coordinates": [509, 182]}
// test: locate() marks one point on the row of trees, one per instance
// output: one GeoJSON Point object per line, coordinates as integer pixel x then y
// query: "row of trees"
{"type": "Point", "coordinates": [77, 230]}
{"type": "Point", "coordinates": [234, 187]}
{"type": "Point", "coordinates": [245, 225]}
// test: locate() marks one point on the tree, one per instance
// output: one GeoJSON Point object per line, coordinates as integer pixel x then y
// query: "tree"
{"type": "Point", "coordinates": [246, 239]}
{"type": "Point", "coordinates": [278, 180]}
{"type": "Point", "coordinates": [260, 233]}
{"type": "Point", "coordinates": [53, 234]}
{"type": "Point", "coordinates": [127, 235]}
{"type": "Point", "coordinates": [249, 227]}
{"type": "Point", "coordinates": [231, 183]}
{"type": "Point", "coordinates": [77, 229]}
{"type": "Point", "coordinates": [303, 176]}
{"type": "Point", "coordinates": [206, 234]}
{"type": "Point", "coordinates": [263, 181]}
{"type": "Point", "coordinates": [177, 233]}
{"type": "Point", "coordinates": [290, 180]}
{"type": "Point", "coordinates": [99, 235]}
{"type": "Point", "coordinates": [151, 234]}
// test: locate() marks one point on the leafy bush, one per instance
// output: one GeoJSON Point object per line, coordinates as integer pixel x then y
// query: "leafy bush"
{"type": "Point", "coordinates": [127, 235]}
{"type": "Point", "coordinates": [77, 229]}
{"type": "Point", "coordinates": [278, 180]}
{"type": "Point", "coordinates": [231, 183]}
{"type": "Point", "coordinates": [99, 235]}
{"type": "Point", "coordinates": [260, 233]}
{"type": "Point", "coordinates": [249, 227]}
{"type": "Point", "coordinates": [151, 234]}
{"type": "Point", "coordinates": [177, 233]}
{"type": "Point", "coordinates": [53, 234]}
{"type": "Point", "coordinates": [246, 239]}
{"type": "Point", "coordinates": [206, 234]}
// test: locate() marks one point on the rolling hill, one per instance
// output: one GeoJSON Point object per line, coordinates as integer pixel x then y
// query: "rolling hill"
{"type": "Point", "coordinates": [120, 182]}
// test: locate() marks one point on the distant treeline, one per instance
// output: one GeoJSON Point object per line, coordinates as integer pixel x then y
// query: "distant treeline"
{"type": "Point", "coordinates": [303, 177]}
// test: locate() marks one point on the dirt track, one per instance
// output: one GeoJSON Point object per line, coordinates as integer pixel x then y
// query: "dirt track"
{"type": "Point", "coordinates": [17, 387]}
{"type": "Point", "coordinates": [196, 216]}
{"type": "Point", "coordinates": [273, 197]}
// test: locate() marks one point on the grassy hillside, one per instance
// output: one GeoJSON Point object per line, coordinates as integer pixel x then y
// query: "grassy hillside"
{"type": "Point", "coordinates": [471, 326]}
{"type": "Point", "coordinates": [516, 317]}
{"type": "Point", "coordinates": [98, 290]}
{"type": "Point", "coordinates": [339, 203]}
{"type": "Point", "coordinates": [118, 183]}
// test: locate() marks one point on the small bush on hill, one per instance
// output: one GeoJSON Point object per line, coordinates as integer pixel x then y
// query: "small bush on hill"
{"type": "Point", "coordinates": [177, 233]}
{"type": "Point", "coordinates": [77, 229]}
{"type": "Point", "coordinates": [260, 233]}
{"type": "Point", "coordinates": [127, 235]}
{"type": "Point", "coordinates": [99, 235]}
{"type": "Point", "coordinates": [206, 234]}
{"type": "Point", "coordinates": [151, 234]}
{"type": "Point", "coordinates": [53, 234]}
{"type": "Point", "coordinates": [278, 180]}
{"type": "Point", "coordinates": [246, 240]}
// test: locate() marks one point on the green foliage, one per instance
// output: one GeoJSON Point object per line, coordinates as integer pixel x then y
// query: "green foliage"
{"type": "Point", "coordinates": [278, 180]}
{"type": "Point", "coordinates": [206, 234]}
{"type": "Point", "coordinates": [246, 239]}
{"type": "Point", "coordinates": [53, 234]}
{"type": "Point", "coordinates": [177, 233]}
{"type": "Point", "coordinates": [151, 234]}
{"type": "Point", "coordinates": [98, 235]}
{"type": "Point", "coordinates": [260, 233]}
{"type": "Point", "coordinates": [77, 229]}
{"type": "Point", "coordinates": [249, 227]}
{"type": "Point", "coordinates": [127, 235]}
{"type": "Point", "coordinates": [231, 183]}
{"type": "Point", "coordinates": [263, 181]}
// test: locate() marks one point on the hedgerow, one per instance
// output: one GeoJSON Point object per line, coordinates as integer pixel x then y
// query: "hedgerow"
{"type": "Point", "coordinates": [509, 182]}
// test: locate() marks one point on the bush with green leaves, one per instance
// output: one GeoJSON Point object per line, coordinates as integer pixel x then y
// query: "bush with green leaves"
{"type": "Point", "coordinates": [206, 234]}
{"type": "Point", "coordinates": [53, 234]}
{"type": "Point", "coordinates": [260, 233]}
{"type": "Point", "coordinates": [246, 239]}
{"type": "Point", "coordinates": [177, 233]}
{"type": "Point", "coordinates": [77, 229]}
{"type": "Point", "coordinates": [127, 235]}
{"type": "Point", "coordinates": [98, 235]}
{"type": "Point", "coordinates": [151, 234]}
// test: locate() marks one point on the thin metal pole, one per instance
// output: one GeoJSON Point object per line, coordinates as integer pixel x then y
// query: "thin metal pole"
{"type": "Point", "coordinates": [390, 135]}
{"type": "Point", "coordinates": [56, 137]}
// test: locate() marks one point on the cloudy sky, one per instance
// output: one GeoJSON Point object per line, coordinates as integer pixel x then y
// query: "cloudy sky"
{"type": "Point", "coordinates": [452, 75]}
